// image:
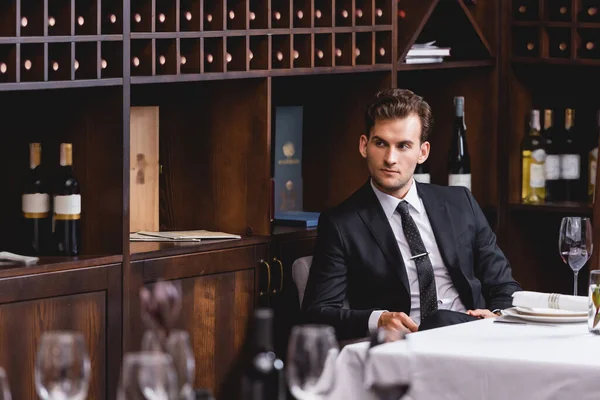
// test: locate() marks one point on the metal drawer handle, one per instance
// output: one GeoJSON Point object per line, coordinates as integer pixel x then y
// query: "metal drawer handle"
{"type": "Point", "coordinates": [268, 278]}
{"type": "Point", "coordinates": [275, 259]}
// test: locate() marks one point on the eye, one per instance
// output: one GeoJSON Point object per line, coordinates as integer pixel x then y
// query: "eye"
{"type": "Point", "coordinates": [404, 146]}
{"type": "Point", "coordinates": [379, 143]}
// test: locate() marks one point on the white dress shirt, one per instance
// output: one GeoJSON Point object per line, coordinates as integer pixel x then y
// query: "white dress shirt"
{"type": "Point", "coordinates": [446, 293]}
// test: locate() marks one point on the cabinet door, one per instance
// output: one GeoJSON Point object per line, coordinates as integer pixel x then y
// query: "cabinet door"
{"type": "Point", "coordinates": [87, 300]}
{"type": "Point", "coordinates": [219, 296]}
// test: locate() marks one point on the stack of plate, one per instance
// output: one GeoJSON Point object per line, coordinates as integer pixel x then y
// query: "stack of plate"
{"type": "Point", "coordinates": [546, 314]}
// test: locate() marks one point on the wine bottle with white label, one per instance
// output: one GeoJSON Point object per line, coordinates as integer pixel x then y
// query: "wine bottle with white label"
{"type": "Point", "coordinates": [570, 171]}
{"type": "Point", "coordinates": [459, 161]}
{"type": "Point", "coordinates": [533, 158]}
{"type": "Point", "coordinates": [553, 145]}
{"type": "Point", "coordinates": [35, 204]}
{"type": "Point", "coordinates": [422, 173]}
{"type": "Point", "coordinates": [67, 206]}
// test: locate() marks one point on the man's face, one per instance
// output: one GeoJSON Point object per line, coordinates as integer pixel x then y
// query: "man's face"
{"type": "Point", "coordinates": [393, 151]}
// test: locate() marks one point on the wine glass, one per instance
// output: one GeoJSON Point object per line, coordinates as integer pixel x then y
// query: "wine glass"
{"type": "Point", "coordinates": [4, 386]}
{"type": "Point", "coordinates": [575, 244]}
{"type": "Point", "coordinates": [312, 352]}
{"type": "Point", "coordinates": [148, 376]}
{"type": "Point", "coordinates": [62, 368]}
{"type": "Point", "coordinates": [402, 381]}
{"type": "Point", "coordinates": [178, 346]}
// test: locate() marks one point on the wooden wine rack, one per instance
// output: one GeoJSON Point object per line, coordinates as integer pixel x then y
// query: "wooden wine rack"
{"type": "Point", "coordinates": [556, 32]}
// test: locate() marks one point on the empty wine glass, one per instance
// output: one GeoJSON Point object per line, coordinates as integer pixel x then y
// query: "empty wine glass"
{"type": "Point", "coordinates": [62, 368]}
{"type": "Point", "coordinates": [575, 244]}
{"type": "Point", "coordinates": [178, 346]}
{"type": "Point", "coordinates": [312, 352]}
{"type": "Point", "coordinates": [4, 386]}
{"type": "Point", "coordinates": [402, 380]}
{"type": "Point", "coordinates": [148, 376]}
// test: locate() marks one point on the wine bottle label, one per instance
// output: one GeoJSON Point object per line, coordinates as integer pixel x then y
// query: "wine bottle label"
{"type": "Point", "coordinates": [569, 166]}
{"type": "Point", "coordinates": [552, 167]}
{"type": "Point", "coordinates": [422, 178]}
{"type": "Point", "coordinates": [67, 207]}
{"type": "Point", "coordinates": [537, 178]}
{"type": "Point", "coordinates": [593, 166]}
{"type": "Point", "coordinates": [35, 205]}
{"type": "Point", "coordinates": [460, 180]}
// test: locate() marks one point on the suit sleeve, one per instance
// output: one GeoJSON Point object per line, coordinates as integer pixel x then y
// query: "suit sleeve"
{"type": "Point", "coordinates": [327, 284]}
{"type": "Point", "coordinates": [491, 265]}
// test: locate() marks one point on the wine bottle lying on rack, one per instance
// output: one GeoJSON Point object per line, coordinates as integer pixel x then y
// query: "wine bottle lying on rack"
{"type": "Point", "coordinates": [67, 206]}
{"type": "Point", "coordinates": [35, 204]}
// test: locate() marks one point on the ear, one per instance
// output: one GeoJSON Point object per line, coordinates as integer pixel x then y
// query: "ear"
{"type": "Point", "coordinates": [424, 152]}
{"type": "Point", "coordinates": [362, 145]}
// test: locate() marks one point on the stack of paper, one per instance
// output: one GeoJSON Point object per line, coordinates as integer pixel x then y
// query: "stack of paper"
{"type": "Point", "coordinates": [180, 236]}
{"type": "Point", "coordinates": [426, 53]}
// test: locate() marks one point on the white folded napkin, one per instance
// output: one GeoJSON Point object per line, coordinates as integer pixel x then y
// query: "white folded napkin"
{"type": "Point", "coordinates": [5, 255]}
{"type": "Point", "coordinates": [550, 300]}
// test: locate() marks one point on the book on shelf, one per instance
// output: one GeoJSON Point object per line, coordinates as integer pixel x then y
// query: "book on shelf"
{"type": "Point", "coordinates": [297, 218]}
{"type": "Point", "coordinates": [199, 234]}
{"type": "Point", "coordinates": [426, 53]}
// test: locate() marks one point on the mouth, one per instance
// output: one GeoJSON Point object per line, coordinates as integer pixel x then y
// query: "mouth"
{"type": "Point", "coordinates": [389, 171]}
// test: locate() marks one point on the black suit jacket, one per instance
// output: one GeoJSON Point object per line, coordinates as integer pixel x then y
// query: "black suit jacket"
{"type": "Point", "coordinates": [357, 258]}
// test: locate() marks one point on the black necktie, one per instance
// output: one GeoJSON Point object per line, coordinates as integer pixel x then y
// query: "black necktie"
{"type": "Point", "coordinates": [427, 292]}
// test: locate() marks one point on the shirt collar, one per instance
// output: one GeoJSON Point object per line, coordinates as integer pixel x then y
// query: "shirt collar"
{"type": "Point", "coordinates": [389, 203]}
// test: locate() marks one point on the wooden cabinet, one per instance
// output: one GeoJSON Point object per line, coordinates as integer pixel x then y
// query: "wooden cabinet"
{"type": "Point", "coordinates": [86, 299]}
{"type": "Point", "coordinates": [220, 291]}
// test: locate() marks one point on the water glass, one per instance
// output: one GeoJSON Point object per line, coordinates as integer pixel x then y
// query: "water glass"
{"type": "Point", "coordinates": [575, 244]}
{"type": "Point", "coordinates": [594, 302]}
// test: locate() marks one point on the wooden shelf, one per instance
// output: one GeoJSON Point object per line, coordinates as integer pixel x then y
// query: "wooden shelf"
{"type": "Point", "coordinates": [447, 65]}
{"type": "Point", "coordinates": [88, 83]}
{"type": "Point", "coordinates": [556, 61]}
{"type": "Point", "coordinates": [558, 207]}
{"type": "Point", "coordinates": [55, 264]}
{"type": "Point", "coordinates": [147, 250]}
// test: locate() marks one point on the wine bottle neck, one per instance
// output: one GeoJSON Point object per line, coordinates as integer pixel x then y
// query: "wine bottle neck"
{"type": "Point", "coordinates": [35, 155]}
{"type": "Point", "coordinates": [66, 154]}
{"type": "Point", "coordinates": [263, 332]}
{"type": "Point", "coordinates": [569, 118]}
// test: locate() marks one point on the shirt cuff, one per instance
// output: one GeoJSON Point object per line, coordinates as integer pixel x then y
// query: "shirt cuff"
{"type": "Point", "coordinates": [374, 320]}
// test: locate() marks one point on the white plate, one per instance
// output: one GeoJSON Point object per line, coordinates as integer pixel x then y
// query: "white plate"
{"type": "Point", "coordinates": [550, 312]}
{"type": "Point", "coordinates": [536, 318]}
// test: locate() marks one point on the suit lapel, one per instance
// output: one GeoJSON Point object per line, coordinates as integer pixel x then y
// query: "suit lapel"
{"type": "Point", "coordinates": [441, 224]}
{"type": "Point", "coordinates": [373, 216]}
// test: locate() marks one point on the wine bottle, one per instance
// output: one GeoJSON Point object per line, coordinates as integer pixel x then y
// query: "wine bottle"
{"type": "Point", "coordinates": [553, 149]}
{"type": "Point", "coordinates": [35, 204]}
{"type": "Point", "coordinates": [262, 375]}
{"type": "Point", "coordinates": [459, 161]}
{"type": "Point", "coordinates": [570, 171]}
{"type": "Point", "coordinates": [593, 162]}
{"type": "Point", "coordinates": [422, 173]}
{"type": "Point", "coordinates": [533, 161]}
{"type": "Point", "coordinates": [67, 206]}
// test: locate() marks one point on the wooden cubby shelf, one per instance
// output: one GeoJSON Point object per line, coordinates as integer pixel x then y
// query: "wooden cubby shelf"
{"type": "Point", "coordinates": [174, 109]}
{"type": "Point", "coordinates": [559, 32]}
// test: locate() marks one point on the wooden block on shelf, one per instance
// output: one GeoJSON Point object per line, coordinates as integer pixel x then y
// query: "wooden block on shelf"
{"type": "Point", "coordinates": [144, 169]}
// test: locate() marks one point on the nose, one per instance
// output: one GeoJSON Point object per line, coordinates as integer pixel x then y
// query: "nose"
{"type": "Point", "coordinates": [391, 156]}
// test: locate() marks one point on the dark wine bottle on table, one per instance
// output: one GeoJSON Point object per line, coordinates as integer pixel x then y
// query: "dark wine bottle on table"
{"type": "Point", "coordinates": [35, 204]}
{"type": "Point", "coordinates": [262, 375]}
{"type": "Point", "coordinates": [67, 206]}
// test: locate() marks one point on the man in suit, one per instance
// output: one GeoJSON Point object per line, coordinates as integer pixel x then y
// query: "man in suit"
{"type": "Point", "coordinates": [405, 255]}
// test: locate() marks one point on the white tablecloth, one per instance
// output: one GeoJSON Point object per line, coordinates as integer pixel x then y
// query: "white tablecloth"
{"type": "Point", "coordinates": [480, 360]}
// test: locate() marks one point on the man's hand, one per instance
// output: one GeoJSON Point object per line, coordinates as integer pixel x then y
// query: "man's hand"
{"type": "Point", "coordinates": [398, 321]}
{"type": "Point", "coordinates": [482, 313]}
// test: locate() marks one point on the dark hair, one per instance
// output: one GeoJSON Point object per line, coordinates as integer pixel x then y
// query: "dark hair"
{"type": "Point", "coordinates": [399, 103]}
